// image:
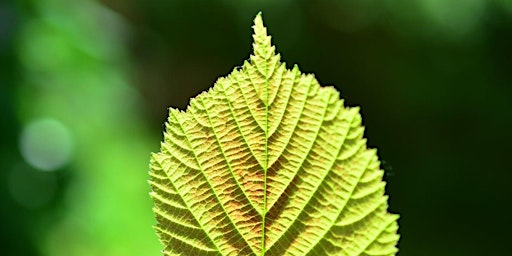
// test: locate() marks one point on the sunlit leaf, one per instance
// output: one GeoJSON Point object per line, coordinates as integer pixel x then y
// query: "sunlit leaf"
{"type": "Point", "coordinates": [268, 162]}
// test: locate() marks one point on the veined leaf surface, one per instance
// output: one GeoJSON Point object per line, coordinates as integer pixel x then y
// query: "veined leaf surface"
{"type": "Point", "coordinates": [268, 162]}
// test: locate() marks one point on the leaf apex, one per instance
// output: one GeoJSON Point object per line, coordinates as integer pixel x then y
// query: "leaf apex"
{"type": "Point", "coordinates": [259, 18]}
{"type": "Point", "coordinates": [260, 32]}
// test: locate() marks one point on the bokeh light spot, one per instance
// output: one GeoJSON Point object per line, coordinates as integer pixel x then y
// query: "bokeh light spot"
{"type": "Point", "coordinates": [454, 17]}
{"type": "Point", "coordinates": [46, 144]}
{"type": "Point", "coordinates": [30, 188]}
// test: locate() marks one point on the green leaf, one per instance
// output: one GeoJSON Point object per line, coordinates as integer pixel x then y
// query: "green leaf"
{"type": "Point", "coordinates": [268, 162]}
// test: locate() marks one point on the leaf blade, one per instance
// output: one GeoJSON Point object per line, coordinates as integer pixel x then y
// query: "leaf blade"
{"type": "Point", "coordinates": [269, 162]}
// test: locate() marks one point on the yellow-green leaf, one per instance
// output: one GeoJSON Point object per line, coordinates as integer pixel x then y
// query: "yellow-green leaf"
{"type": "Point", "coordinates": [268, 162]}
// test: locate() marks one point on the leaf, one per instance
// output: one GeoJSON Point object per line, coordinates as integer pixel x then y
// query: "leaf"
{"type": "Point", "coordinates": [267, 162]}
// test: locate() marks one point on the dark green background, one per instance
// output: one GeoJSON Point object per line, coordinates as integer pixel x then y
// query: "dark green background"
{"type": "Point", "coordinates": [433, 79]}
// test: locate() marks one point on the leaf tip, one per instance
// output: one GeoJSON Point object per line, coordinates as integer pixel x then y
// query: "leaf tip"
{"type": "Point", "coordinates": [259, 27]}
{"type": "Point", "coordinates": [258, 16]}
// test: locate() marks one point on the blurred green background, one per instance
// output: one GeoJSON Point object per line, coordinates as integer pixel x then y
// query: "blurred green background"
{"type": "Point", "coordinates": [85, 86]}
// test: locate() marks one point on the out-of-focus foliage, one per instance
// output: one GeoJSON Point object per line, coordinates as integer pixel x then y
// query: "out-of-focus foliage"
{"type": "Point", "coordinates": [84, 88]}
{"type": "Point", "coordinates": [80, 115]}
{"type": "Point", "coordinates": [16, 221]}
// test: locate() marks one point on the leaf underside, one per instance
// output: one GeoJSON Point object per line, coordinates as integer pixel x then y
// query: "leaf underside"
{"type": "Point", "coordinates": [268, 162]}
